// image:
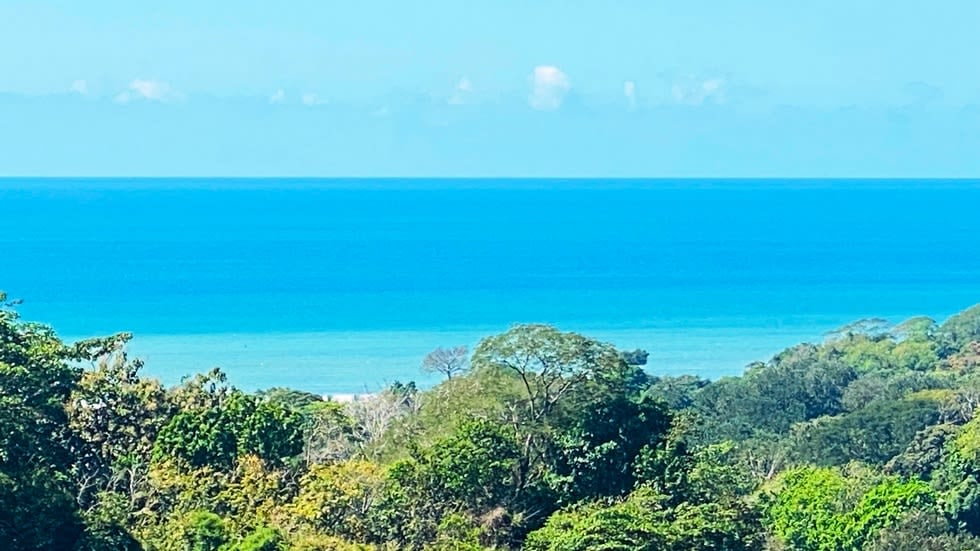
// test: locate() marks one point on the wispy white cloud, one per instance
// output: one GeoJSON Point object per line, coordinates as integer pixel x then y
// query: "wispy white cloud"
{"type": "Point", "coordinates": [549, 84]}
{"type": "Point", "coordinates": [310, 98]}
{"type": "Point", "coordinates": [678, 92]}
{"type": "Point", "coordinates": [462, 91]}
{"type": "Point", "coordinates": [629, 91]}
{"type": "Point", "coordinates": [150, 90]}
{"type": "Point", "coordinates": [79, 87]}
{"type": "Point", "coordinates": [694, 91]}
{"type": "Point", "coordinates": [279, 96]}
{"type": "Point", "coordinates": [712, 86]}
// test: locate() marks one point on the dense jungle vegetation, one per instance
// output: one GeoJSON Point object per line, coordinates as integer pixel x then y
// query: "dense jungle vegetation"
{"type": "Point", "coordinates": [539, 439]}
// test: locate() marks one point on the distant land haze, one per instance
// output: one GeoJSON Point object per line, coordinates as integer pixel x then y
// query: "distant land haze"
{"type": "Point", "coordinates": [344, 285]}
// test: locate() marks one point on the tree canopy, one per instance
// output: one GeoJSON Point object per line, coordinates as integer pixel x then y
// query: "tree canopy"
{"type": "Point", "coordinates": [542, 440]}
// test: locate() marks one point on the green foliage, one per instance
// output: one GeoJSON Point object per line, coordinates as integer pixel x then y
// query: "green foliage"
{"type": "Point", "coordinates": [965, 448]}
{"type": "Point", "coordinates": [682, 471]}
{"type": "Point", "coordinates": [888, 386]}
{"type": "Point", "coordinates": [959, 331]}
{"type": "Point", "coordinates": [37, 512]}
{"type": "Point", "coordinates": [262, 539]}
{"type": "Point", "coordinates": [676, 392]}
{"type": "Point", "coordinates": [298, 400]}
{"type": "Point", "coordinates": [865, 353]}
{"type": "Point", "coordinates": [633, 525]}
{"type": "Point", "coordinates": [106, 525]}
{"type": "Point", "coordinates": [873, 434]}
{"type": "Point", "coordinates": [250, 494]}
{"type": "Point", "coordinates": [456, 533]}
{"type": "Point", "coordinates": [202, 531]}
{"type": "Point", "coordinates": [600, 441]}
{"type": "Point", "coordinates": [645, 522]}
{"type": "Point", "coordinates": [35, 382]}
{"type": "Point", "coordinates": [479, 394]}
{"type": "Point", "coordinates": [966, 361]}
{"type": "Point", "coordinates": [919, 328]}
{"type": "Point", "coordinates": [799, 384]}
{"type": "Point", "coordinates": [199, 438]}
{"type": "Point", "coordinates": [915, 355]}
{"type": "Point", "coordinates": [37, 509]}
{"type": "Point", "coordinates": [236, 426]}
{"type": "Point", "coordinates": [329, 432]}
{"type": "Point", "coordinates": [475, 471]}
{"type": "Point", "coordinates": [922, 531]}
{"type": "Point", "coordinates": [867, 328]}
{"type": "Point", "coordinates": [337, 499]}
{"type": "Point", "coordinates": [924, 453]}
{"type": "Point", "coordinates": [115, 417]}
{"type": "Point", "coordinates": [885, 504]}
{"type": "Point", "coordinates": [959, 476]}
{"type": "Point", "coordinates": [475, 468]}
{"type": "Point", "coordinates": [553, 441]}
{"type": "Point", "coordinates": [821, 509]}
{"type": "Point", "coordinates": [549, 363]}
{"type": "Point", "coordinates": [313, 541]}
{"type": "Point", "coordinates": [268, 430]}
{"type": "Point", "coordinates": [635, 357]}
{"type": "Point", "coordinates": [806, 511]}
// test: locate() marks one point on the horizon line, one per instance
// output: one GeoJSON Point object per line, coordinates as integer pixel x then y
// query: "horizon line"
{"type": "Point", "coordinates": [4, 178]}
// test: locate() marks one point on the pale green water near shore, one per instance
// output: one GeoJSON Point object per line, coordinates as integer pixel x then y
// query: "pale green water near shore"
{"type": "Point", "coordinates": [365, 361]}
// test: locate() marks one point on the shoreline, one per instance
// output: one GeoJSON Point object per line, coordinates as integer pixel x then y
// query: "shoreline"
{"type": "Point", "coordinates": [348, 364]}
{"type": "Point", "coordinates": [347, 398]}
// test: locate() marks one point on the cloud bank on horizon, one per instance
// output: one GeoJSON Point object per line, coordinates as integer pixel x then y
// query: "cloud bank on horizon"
{"type": "Point", "coordinates": [634, 88]}
{"type": "Point", "coordinates": [549, 84]}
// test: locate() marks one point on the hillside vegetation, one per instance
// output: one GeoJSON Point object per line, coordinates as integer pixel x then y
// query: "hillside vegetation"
{"type": "Point", "coordinates": [540, 439]}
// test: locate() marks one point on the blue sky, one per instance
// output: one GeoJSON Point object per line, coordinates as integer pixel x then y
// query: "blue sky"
{"type": "Point", "coordinates": [490, 88]}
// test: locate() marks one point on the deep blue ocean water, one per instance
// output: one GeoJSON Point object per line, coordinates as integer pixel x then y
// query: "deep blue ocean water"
{"type": "Point", "coordinates": [342, 285]}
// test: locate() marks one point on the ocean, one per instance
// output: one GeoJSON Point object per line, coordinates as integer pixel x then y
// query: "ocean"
{"type": "Point", "coordinates": [342, 286]}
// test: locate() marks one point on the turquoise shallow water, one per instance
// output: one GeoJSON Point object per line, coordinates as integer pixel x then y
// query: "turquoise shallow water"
{"type": "Point", "coordinates": [364, 361]}
{"type": "Point", "coordinates": [341, 286]}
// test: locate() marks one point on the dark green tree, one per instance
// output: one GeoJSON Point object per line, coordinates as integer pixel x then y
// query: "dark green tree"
{"type": "Point", "coordinates": [37, 506]}
{"type": "Point", "coordinates": [799, 384]}
{"type": "Point", "coordinates": [238, 425]}
{"type": "Point", "coordinates": [474, 471]}
{"type": "Point", "coordinates": [873, 434]}
{"type": "Point", "coordinates": [959, 331]}
{"type": "Point", "coordinates": [959, 476]}
{"type": "Point", "coordinates": [644, 522]}
{"type": "Point", "coordinates": [598, 444]}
